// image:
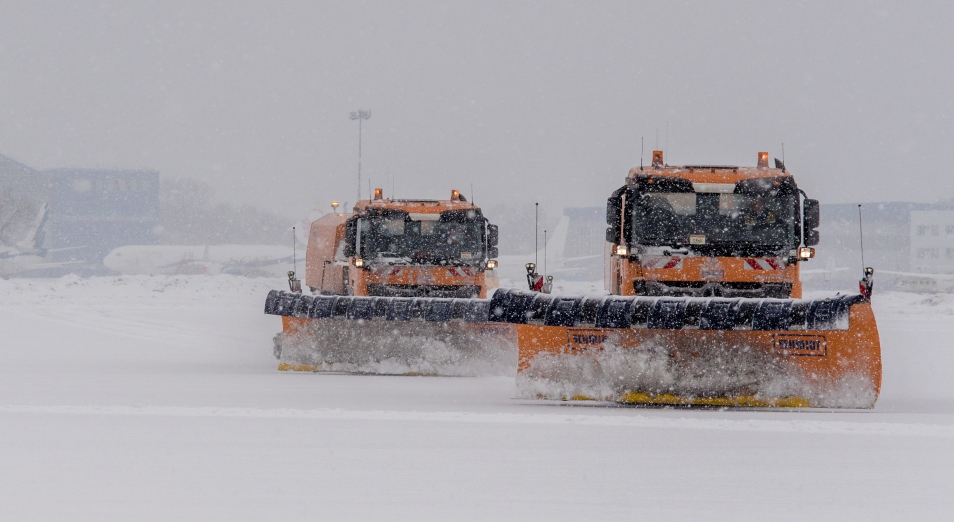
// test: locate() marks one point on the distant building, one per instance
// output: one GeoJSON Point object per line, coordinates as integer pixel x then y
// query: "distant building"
{"type": "Point", "coordinates": [93, 211]}
{"type": "Point", "coordinates": [932, 241]}
{"type": "Point", "coordinates": [89, 212]}
{"type": "Point", "coordinates": [889, 242]}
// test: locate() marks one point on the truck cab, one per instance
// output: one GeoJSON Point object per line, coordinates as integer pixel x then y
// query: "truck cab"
{"type": "Point", "coordinates": [709, 230]}
{"type": "Point", "coordinates": [404, 248]}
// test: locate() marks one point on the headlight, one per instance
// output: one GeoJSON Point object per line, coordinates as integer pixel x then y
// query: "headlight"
{"type": "Point", "coordinates": [622, 250]}
{"type": "Point", "coordinates": [492, 264]}
{"type": "Point", "coordinates": [358, 262]}
{"type": "Point", "coordinates": [806, 252]}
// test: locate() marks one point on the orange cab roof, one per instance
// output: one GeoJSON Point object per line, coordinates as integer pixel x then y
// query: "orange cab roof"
{"type": "Point", "coordinates": [707, 174]}
{"type": "Point", "coordinates": [417, 206]}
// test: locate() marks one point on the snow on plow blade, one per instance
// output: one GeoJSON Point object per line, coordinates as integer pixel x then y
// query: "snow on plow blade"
{"type": "Point", "coordinates": [688, 351]}
{"type": "Point", "coordinates": [390, 335]}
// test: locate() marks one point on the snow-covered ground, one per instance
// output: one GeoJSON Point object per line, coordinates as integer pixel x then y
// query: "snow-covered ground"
{"type": "Point", "coordinates": [157, 398]}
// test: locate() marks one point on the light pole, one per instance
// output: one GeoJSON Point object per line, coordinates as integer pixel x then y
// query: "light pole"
{"type": "Point", "coordinates": [360, 115]}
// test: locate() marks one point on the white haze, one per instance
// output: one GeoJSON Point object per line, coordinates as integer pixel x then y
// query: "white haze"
{"type": "Point", "coordinates": [529, 102]}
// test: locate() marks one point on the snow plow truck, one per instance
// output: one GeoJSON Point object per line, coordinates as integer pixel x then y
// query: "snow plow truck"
{"type": "Point", "coordinates": [702, 264]}
{"type": "Point", "coordinates": [398, 251]}
{"type": "Point", "coordinates": [705, 309]}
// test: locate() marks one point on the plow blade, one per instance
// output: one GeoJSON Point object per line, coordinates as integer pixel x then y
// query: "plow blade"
{"type": "Point", "coordinates": [687, 351]}
{"type": "Point", "coordinates": [652, 350]}
{"type": "Point", "coordinates": [390, 335]}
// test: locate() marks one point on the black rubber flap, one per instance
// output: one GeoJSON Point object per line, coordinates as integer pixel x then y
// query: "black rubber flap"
{"type": "Point", "coordinates": [639, 313]}
{"type": "Point", "coordinates": [322, 307]}
{"type": "Point", "coordinates": [518, 308]}
{"type": "Point", "coordinates": [418, 309]}
{"type": "Point", "coordinates": [615, 313]}
{"type": "Point", "coordinates": [379, 308]}
{"type": "Point", "coordinates": [438, 310]}
{"type": "Point", "coordinates": [499, 303]}
{"type": "Point", "coordinates": [302, 304]}
{"type": "Point", "coordinates": [798, 317]}
{"type": "Point", "coordinates": [667, 314]}
{"type": "Point", "coordinates": [747, 308]}
{"type": "Point", "coordinates": [459, 309]}
{"type": "Point", "coordinates": [564, 311]}
{"type": "Point", "coordinates": [537, 312]}
{"type": "Point", "coordinates": [341, 307]}
{"type": "Point", "coordinates": [273, 303]}
{"type": "Point", "coordinates": [289, 300]}
{"type": "Point", "coordinates": [719, 314]}
{"type": "Point", "coordinates": [590, 310]}
{"type": "Point", "coordinates": [360, 309]}
{"type": "Point", "coordinates": [772, 315]}
{"type": "Point", "coordinates": [694, 309]}
{"type": "Point", "coordinates": [478, 311]}
{"type": "Point", "coordinates": [830, 314]}
{"type": "Point", "coordinates": [399, 309]}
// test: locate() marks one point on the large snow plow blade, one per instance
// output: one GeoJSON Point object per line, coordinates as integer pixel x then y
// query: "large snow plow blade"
{"type": "Point", "coordinates": [671, 351]}
{"type": "Point", "coordinates": [686, 351]}
{"type": "Point", "coordinates": [390, 335]}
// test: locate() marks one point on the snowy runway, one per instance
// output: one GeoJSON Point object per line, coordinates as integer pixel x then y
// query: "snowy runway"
{"type": "Point", "coordinates": [157, 398]}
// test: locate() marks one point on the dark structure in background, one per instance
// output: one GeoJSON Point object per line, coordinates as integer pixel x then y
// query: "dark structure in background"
{"type": "Point", "coordinates": [93, 211]}
{"type": "Point", "coordinates": [89, 211]}
{"type": "Point", "coordinates": [887, 228]}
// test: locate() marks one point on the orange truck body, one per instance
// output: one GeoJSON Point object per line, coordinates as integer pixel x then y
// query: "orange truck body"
{"type": "Point", "coordinates": [641, 270]}
{"type": "Point", "coordinates": [331, 269]}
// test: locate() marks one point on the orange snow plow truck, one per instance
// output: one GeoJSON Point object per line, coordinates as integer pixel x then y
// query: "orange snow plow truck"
{"type": "Point", "coordinates": [702, 264]}
{"type": "Point", "coordinates": [705, 263]}
{"type": "Point", "coordinates": [407, 251]}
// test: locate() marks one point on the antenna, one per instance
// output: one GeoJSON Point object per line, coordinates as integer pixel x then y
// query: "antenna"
{"type": "Point", "coordinates": [472, 194]}
{"type": "Point", "coordinates": [544, 253]}
{"type": "Point", "coordinates": [861, 235]}
{"type": "Point", "coordinates": [783, 153]}
{"type": "Point", "coordinates": [666, 144]}
{"type": "Point", "coordinates": [294, 252]}
{"type": "Point", "coordinates": [642, 145]}
{"type": "Point", "coordinates": [536, 234]}
{"type": "Point", "coordinates": [388, 172]}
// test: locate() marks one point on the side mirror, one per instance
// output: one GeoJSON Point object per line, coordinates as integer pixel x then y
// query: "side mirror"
{"type": "Point", "coordinates": [812, 214]}
{"type": "Point", "coordinates": [811, 237]}
{"type": "Point", "coordinates": [493, 235]}
{"type": "Point", "coordinates": [349, 238]}
{"type": "Point", "coordinates": [614, 207]}
{"type": "Point", "coordinates": [493, 253]}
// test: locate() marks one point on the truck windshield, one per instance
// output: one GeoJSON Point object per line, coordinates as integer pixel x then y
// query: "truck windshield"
{"type": "Point", "coordinates": [431, 239]}
{"type": "Point", "coordinates": [709, 222]}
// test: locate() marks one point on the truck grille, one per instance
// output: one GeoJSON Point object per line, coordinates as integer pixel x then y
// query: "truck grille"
{"type": "Point", "coordinates": [424, 290]}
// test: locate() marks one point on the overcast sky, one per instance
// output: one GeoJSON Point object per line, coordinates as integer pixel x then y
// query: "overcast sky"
{"type": "Point", "coordinates": [528, 101]}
